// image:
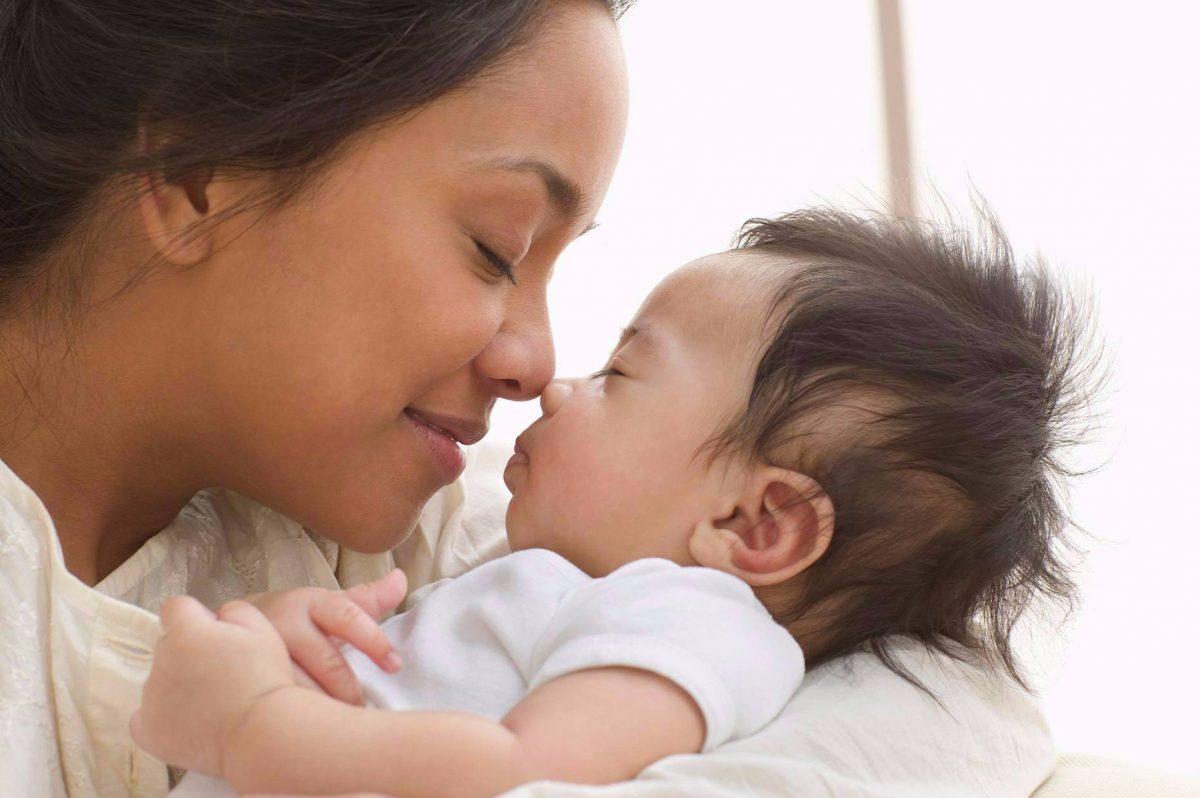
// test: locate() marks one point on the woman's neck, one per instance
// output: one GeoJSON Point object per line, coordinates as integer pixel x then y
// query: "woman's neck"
{"type": "Point", "coordinates": [86, 435]}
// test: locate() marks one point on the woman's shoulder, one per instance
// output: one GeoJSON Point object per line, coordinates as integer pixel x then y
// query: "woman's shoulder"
{"type": "Point", "coordinates": [26, 701]}
{"type": "Point", "coordinates": [22, 514]}
{"type": "Point", "coordinates": [70, 664]}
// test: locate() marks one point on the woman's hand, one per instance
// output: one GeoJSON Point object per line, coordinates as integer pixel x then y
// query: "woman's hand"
{"type": "Point", "coordinates": [312, 623]}
{"type": "Point", "coordinates": [209, 671]}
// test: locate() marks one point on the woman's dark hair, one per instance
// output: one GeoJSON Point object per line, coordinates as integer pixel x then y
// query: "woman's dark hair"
{"type": "Point", "coordinates": [929, 385]}
{"type": "Point", "coordinates": [256, 85]}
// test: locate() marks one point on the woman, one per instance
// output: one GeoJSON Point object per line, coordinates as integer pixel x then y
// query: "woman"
{"type": "Point", "coordinates": [295, 250]}
{"type": "Point", "coordinates": [324, 351]}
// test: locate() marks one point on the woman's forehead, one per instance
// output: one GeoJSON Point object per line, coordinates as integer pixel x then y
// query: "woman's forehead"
{"type": "Point", "coordinates": [562, 98]}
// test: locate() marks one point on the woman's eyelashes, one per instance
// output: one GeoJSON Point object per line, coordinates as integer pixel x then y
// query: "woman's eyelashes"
{"type": "Point", "coordinates": [607, 372]}
{"type": "Point", "coordinates": [502, 267]}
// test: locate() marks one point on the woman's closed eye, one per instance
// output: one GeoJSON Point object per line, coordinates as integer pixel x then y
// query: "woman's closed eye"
{"type": "Point", "coordinates": [502, 267]}
{"type": "Point", "coordinates": [607, 372]}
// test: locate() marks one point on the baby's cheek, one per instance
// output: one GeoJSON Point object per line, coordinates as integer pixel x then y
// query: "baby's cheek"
{"type": "Point", "coordinates": [516, 523]}
{"type": "Point", "coordinates": [512, 522]}
{"type": "Point", "coordinates": [533, 517]}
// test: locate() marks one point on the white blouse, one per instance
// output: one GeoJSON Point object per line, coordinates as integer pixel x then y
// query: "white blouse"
{"type": "Point", "coordinates": [73, 659]}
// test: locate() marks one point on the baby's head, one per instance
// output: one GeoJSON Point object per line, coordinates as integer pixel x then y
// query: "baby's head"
{"type": "Point", "coordinates": [859, 417]}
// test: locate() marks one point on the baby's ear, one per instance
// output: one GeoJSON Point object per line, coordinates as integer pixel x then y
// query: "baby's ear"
{"type": "Point", "coordinates": [782, 524]}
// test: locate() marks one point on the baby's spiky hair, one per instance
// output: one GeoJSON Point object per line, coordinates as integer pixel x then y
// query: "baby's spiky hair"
{"type": "Point", "coordinates": [929, 384]}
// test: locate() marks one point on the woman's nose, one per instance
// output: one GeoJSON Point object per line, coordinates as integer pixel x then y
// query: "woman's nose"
{"type": "Point", "coordinates": [519, 360]}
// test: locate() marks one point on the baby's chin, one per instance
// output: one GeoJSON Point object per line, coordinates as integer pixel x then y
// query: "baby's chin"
{"type": "Point", "coordinates": [519, 534]}
{"type": "Point", "coordinates": [524, 534]}
{"type": "Point", "coordinates": [522, 537]}
{"type": "Point", "coordinates": [521, 527]}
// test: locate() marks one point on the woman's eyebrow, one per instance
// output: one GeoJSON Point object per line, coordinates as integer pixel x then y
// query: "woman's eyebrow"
{"type": "Point", "coordinates": [567, 197]}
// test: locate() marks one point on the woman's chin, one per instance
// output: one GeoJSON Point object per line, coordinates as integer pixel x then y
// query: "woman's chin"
{"type": "Point", "coordinates": [369, 535]}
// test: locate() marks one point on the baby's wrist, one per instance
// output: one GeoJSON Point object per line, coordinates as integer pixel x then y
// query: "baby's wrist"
{"type": "Point", "coordinates": [240, 746]}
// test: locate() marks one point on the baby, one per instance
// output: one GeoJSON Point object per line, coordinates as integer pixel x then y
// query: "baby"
{"type": "Point", "coordinates": [838, 434]}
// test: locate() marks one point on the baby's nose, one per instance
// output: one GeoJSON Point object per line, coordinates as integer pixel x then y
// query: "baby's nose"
{"type": "Point", "coordinates": [555, 394]}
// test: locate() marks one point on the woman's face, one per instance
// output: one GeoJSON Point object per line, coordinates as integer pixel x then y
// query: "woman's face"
{"type": "Point", "coordinates": [327, 337]}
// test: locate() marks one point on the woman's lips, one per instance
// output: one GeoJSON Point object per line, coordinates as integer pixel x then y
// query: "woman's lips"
{"type": "Point", "coordinates": [461, 430]}
{"type": "Point", "coordinates": [443, 447]}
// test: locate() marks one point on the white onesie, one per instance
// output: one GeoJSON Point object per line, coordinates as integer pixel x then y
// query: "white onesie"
{"type": "Point", "coordinates": [482, 641]}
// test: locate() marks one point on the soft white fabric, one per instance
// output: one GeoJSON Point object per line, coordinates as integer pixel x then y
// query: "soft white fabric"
{"type": "Point", "coordinates": [482, 642]}
{"type": "Point", "coordinates": [853, 729]}
{"type": "Point", "coordinates": [856, 730]}
{"type": "Point", "coordinates": [1083, 776]}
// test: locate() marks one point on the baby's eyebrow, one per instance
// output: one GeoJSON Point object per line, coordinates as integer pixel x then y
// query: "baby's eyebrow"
{"type": "Point", "coordinates": [646, 338]}
{"type": "Point", "coordinates": [626, 334]}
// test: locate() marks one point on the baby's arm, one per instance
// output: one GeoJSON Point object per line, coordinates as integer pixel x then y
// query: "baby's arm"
{"type": "Point", "coordinates": [221, 699]}
{"type": "Point", "coordinates": [595, 726]}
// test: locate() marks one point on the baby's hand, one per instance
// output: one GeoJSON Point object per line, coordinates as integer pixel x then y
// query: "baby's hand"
{"type": "Point", "coordinates": [312, 622]}
{"type": "Point", "coordinates": [209, 671]}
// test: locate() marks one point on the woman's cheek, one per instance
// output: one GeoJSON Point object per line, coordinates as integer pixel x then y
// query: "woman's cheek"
{"type": "Point", "coordinates": [459, 331]}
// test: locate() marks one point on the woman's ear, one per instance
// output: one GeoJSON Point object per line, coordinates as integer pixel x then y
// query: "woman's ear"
{"type": "Point", "coordinates": [781, 525]}
{"type": "Point", "coordinates": [172, 213]}
{"type": "Point", "coordinates": [173, 208]}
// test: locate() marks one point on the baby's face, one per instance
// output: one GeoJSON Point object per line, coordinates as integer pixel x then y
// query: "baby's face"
{"type": "Point", "coordinates": [613, 470]}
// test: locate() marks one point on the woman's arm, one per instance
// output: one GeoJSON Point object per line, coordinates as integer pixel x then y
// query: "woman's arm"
{"type": "Point", "coordinates": [595, 726]}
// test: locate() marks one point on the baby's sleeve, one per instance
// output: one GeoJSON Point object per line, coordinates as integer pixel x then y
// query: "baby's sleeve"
{"type": "Point", "coordinates": [700, 628]}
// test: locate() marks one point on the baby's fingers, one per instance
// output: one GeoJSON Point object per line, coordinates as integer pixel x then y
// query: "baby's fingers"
{"type": "Point", "coordinates": [381, 596]}
{"type": "Point", "coordinates": [321, 658]}
{"type": "Point", "coordinates": [338, 615]}
{"type": "Point", "coordinates": [179, 612]}
{"type": "Point", "coordinates": [247, 616]}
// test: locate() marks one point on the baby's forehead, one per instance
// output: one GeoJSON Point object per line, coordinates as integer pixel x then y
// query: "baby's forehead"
{"type": "Point", "coordinates": [719, 300]}
{"type": "Point", "coordinates": [736, 283]}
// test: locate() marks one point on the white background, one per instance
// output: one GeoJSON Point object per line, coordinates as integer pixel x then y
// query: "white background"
{"type": "Point", "coordinates": [1080, 123]}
